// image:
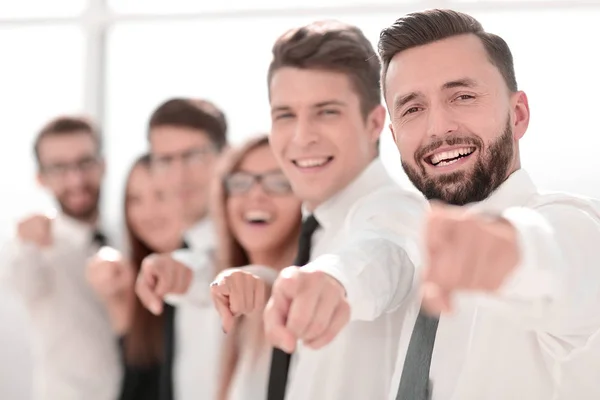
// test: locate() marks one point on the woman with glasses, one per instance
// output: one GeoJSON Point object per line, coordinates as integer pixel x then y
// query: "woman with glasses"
{"type": "Point", "coordinates": [154, 224]}
{"type": "Point", "coordinates": [258, 221]}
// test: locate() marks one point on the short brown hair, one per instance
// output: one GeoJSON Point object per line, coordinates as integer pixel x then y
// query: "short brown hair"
{"type": "Point", "coordinates": [192, 113]}
{"type": "Point", "coordinates": [332, 46]}
{"type": "Point", "coordinates": [65, 125]}
{"type": "Point", "coordinates": [424, 27]}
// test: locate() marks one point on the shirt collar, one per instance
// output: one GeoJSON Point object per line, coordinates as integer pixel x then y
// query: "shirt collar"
{"type": "Point", "coordinates": [201, 234]}
{"type": "Point", "coordinates": [77, 231]}
{"type": "Point", "coordinates": [333, 211]}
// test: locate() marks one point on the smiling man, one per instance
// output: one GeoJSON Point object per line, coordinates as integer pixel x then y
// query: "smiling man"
{"type": "Point", "coordinates": [327, 117]}
{"type": "Point", "coordinates": [511, 283]}
{"type": "Point", "coordinates": [76, 354]}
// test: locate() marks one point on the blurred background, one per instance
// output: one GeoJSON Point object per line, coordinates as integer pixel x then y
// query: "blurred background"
{"type": "Point", "coordinates": [116, 60]}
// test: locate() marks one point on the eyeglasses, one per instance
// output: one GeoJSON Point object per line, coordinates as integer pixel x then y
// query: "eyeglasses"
{"type": "Point", "coordinates": [83, 165]}
{"type": "Point", "coordinates": [274, 182]}
{"type": "Point", "coordinates": [192, 157]}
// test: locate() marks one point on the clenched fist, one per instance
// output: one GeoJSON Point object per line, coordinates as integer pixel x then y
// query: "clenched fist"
{"type": "Point", "coordinates": [305, 305]}
{"type": "Point", "coordinates": [36, 229]}
{"type": "Point", "coordinates": [465, 251]}
{"type": "Point", "coordinates": [109, 274]}
{"type": "Point", "coordinates": [161, 275]}
{"type": "Point", "coordinates": [236, 292]}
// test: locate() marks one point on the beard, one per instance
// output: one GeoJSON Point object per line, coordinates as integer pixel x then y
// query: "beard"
{"type": "Point", "coordinates": [464, 187]}
{"type": "Point", "coordinates": [85, 213]}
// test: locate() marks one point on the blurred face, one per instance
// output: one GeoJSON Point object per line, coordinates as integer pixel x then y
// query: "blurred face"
{"type": "Point", "coordinates": [184, 158]}
{"type": "Point", "coordinates": [454, 120]}
{"type": "Point", "coordinates": [263, 213]}
{"type": "Point", "coordinates": [318, 134]}
{"type": "Point", "coordinates": [153, 212]}
{"type": "Point", "coordinates": [71, 168]}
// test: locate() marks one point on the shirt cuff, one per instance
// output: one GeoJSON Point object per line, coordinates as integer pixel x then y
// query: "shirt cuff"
{"type": "Point", "coordinates": [195, 260]}
{"type": "Point", "coordinates": [533, 278]}
{"type": "Point", "coordinates": [267, 274]}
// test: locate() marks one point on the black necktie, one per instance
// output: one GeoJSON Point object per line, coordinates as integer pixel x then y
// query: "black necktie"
{"type": "Point", "coordinates": [99, 239]}
{"type": "Point", "coordinates": [280, 360]}
{"type": "Point", "coordinates": [166, 372]}
{"type": "Point", "coordinates": [414, 382]}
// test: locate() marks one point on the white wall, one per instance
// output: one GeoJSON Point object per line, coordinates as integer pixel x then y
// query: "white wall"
{"type": "Point", "coordinates": [225, 59]}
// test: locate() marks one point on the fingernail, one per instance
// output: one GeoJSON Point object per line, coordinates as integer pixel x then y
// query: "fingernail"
{"type": "Point", "coordinates": [155, 308]}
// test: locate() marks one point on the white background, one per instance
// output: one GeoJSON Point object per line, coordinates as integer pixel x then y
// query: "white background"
{"type": "Point", "coordinates": [118, 63]}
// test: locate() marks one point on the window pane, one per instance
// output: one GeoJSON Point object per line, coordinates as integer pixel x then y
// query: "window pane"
{"type": "Point", "coordinates": [179, 6]}
{"type": "Point", "coordinates": [41, 8]}
{"type": "Point", "coordinates": [42, 75]}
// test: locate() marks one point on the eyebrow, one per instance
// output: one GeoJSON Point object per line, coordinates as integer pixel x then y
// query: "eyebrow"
{"type": "Point", "coordinates": [464, 82]}
{"type": "Point", "coordinates": [400, 102]}
{"type": "Point", "coordinates": [320, 104]}
{"type": "Point", "coordinates": [407, 98]}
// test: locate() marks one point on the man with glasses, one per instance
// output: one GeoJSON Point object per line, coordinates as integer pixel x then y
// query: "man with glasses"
{"type": "Point", "coordinates": [186, 137]}
{"type": "Point", "coordinates": [76, 354]}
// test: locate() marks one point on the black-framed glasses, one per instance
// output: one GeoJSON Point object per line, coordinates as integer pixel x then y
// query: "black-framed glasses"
{"type": "Point", "coordinates": [273, 182]}
{"type": "Point", "coordinates": [60, 169]}
{"type": "Point", "coordinates": [191, 157]}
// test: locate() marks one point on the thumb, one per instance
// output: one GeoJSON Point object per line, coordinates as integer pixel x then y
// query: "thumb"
{"type": "Point", "coordinates": [221, 302]}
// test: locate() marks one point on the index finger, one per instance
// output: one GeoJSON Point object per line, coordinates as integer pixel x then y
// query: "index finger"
{"type": "Point", "coordinates": [275, 318]}
{"type": "Point", "coordinates": [144, 288]}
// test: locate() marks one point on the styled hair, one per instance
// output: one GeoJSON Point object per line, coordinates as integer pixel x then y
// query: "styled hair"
{"type": "Point", "coordinates": [198, 114]}
{"type": "Point", "coordinates": [143, 344]}
{"type": "Point", "coordinates": [424, 27]}
{"type": "Point", "coordinates": [332, 46]}
{"type": "Point", "coordinates": [63, 126]}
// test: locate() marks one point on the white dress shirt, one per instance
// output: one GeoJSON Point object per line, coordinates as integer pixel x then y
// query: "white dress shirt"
{"type": "Point", "coordinates": [198, 331]}
{"type": "Point", "coordinates": [355, 233]}
{"type": "Point", "coordinates": [75, 352]}
{"type": "Point", "coordinates": [536, 338]}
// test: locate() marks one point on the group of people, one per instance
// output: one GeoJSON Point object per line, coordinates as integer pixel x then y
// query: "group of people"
{"type": "Point", "coordinates": [294, 267]}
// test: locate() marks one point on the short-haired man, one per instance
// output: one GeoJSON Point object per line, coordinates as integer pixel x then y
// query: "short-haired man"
{"type": "Point", "coordinates": [513, 275]}
{"type": "Point", "coordinates": [76, 355]}
{"type": "Point", "coordinates": [186, 138]}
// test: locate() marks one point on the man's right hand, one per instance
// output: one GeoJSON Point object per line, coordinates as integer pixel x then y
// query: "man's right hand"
{"type": "Point", "coordinates": [36, 229]}
{"type": "Point", "coordinates": [236, 292]}
{"type": "Point", "coordinates": [310, 306]}
{"type": "Point", "coordinates": [161, 275]}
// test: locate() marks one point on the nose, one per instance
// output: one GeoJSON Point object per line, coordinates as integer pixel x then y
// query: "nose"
{"type": "Point", "coordinates": [305, 133]}
{"type": "Point", "coordinates": [440, 122]}
{"type": "Point", "coordinates": [177, 173]}
{"type": "Point", "coordinates": [257, 192]}
{"type": "Point", "coordinates": [74, 178]}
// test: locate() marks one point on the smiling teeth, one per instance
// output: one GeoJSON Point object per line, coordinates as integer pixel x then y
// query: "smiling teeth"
{"type": "Point", "coordinates": [311, 162]}
{"type": "Point", "coordinates": [447, 156]}
{"type": "Point", "coordinates": [257, 216]}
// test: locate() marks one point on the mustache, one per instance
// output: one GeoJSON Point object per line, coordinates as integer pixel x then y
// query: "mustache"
{"type": "Point", "coordinates": [451, 140]}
